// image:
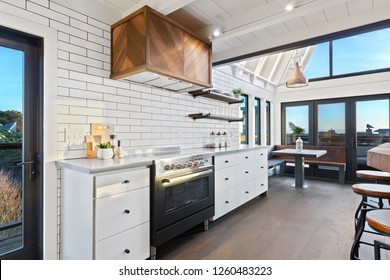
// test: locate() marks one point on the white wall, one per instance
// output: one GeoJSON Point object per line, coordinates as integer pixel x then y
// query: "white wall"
{"type": "Point", "coordinates": [78, 92]}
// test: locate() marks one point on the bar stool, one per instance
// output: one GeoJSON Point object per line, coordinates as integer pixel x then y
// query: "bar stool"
{"type": "Point", "coordinates": [377, 176]}
{"type": "Point", "coordinates": [379, 220]}
{"type": "Point", "coordinates": [366, 190]}
{"type": "Point", "coordinates": [373, 175]}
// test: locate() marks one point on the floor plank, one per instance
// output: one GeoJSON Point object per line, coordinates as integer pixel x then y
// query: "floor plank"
{"type": "Point", "coordinates": [288, 224]}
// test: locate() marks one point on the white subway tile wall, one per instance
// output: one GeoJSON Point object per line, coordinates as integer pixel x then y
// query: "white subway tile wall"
{"type": "Point", "coordinates": [142, 115]}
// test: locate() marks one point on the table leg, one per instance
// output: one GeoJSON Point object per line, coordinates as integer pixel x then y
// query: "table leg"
{"type": "Point", "coordinates": [299, 172]}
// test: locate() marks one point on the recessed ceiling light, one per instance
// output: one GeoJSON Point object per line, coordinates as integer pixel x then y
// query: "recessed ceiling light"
{"type": "Point", "coordinates": [289, 6]}
{"type": "Point", "coordinates": [217, 32]}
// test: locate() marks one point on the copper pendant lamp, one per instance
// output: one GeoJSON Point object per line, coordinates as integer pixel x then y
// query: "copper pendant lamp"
{"type": "Point", "coordinates": [297, 78]}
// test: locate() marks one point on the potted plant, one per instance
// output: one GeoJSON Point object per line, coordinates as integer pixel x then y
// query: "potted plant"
{"type": "Point", "coordinates": [297, 131]}
{"type": "Point", "coordinates": [105, 151]}
{"type": "Point", "coordinates": [237, 92]}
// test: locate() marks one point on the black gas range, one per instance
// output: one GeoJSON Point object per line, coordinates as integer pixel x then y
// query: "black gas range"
{"type": "Point", "coordinates": [182, 193]}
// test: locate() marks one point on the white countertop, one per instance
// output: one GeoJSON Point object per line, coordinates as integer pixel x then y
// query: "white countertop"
{"type": "Point", "coordinates": [95, 165]}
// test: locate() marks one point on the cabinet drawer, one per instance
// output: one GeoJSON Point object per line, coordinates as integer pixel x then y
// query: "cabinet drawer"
{"type": "Point", "coordinates": [120, 212]}
{"type": "Point", "coordinates": [119, 182]}
{"type": "Point", "coordinates": [225, 178]}
{"type": "Point", "coordinates": [225, 202]}
{"type": "Point", "coordinates": [261, 184]}
{"type": "Point", "coordinates": [223, 161]}
{"type": "Point", "coordinates": [132, 244]}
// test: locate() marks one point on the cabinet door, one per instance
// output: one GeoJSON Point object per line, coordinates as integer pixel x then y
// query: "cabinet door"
{"type": "Point", "coordinates": [120, 212]}
{"type": "Point", "coordinates": [132, 244]}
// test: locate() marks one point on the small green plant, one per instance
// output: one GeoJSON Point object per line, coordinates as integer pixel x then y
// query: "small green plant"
{"type": "Point", "coordinates": [296, 129]}
{"type": "Point", "coordinates": [237, 91]}
{"type": "Point", "coordinates": [104, 145]}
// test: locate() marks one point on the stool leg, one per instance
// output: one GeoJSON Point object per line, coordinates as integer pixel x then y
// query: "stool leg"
{"type": "Point", "coordinates": [358, 234]}
{"type": "Point", "coordinates": [377, 250]}
{"type": "Point", "coordinates": [363, 202]}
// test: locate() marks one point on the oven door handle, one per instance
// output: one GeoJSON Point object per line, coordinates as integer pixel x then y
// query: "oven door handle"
{"type": "Point", "coordinates": [168, 182]}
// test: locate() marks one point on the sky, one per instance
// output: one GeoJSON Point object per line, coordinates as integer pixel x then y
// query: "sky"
{"type": "Point", "coordinates": [11, 76]}
{"type": "Point", "coordinates": [357, 53]}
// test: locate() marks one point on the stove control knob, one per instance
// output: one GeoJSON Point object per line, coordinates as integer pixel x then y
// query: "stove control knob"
{"type": "Point", "coordinates": [167, 167]}
{"type": "Point", "coordinates": [201, 163]}
{"type": "Point", "coordinates": [195, 164]}
{"type": "Point", "coordinates": [171, 166]}
{"type": "Point", "coordinates": [178, 166]}
{"type": "Point", "coordinates": [184, 165]}
{"type": "Point", "coordinates": [189, 164]}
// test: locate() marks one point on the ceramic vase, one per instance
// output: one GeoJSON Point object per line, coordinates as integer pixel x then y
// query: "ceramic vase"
{"type": "Point", "coordinates": [104, 153]}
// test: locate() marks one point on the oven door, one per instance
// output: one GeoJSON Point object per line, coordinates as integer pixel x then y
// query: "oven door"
{"type": "Point", "coordinates": [178, 196]}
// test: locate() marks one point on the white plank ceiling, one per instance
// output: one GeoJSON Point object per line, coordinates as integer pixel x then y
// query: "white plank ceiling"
{"type": "Point", "coordinates": [250, 26]}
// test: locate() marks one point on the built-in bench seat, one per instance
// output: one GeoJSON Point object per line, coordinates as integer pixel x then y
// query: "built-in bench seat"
{"type": "Point", "coordinates": [274, 162]}
{"type": "Point", "coordinates": [335, 156]}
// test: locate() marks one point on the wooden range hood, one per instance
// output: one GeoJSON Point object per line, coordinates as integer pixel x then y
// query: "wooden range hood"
{"type": "Point", "coordinates": [150, 48]}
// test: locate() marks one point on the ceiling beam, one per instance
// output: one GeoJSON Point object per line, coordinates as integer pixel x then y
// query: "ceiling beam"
{"type": "Point", "coordinates": [264, 16]}
{"type": "Point", "coordinates": [165, 7]}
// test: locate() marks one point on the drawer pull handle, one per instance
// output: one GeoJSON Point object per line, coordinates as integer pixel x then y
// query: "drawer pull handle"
{"type": "Point", "coordinates": [226, 179]}
{"type": "Point", "coordinates": [246, 172]}
{"type": "Point", "coordinates": [127, 251]}
{"type": "Point", "coordinates": [262, 167]}
{"type": "Point", "coordinates": [227, 202]}
{"type": "Point", "coordinates": [126, 182]}
{"type": "Point", "coordinates": [127, 211]}
{"type": "Point", "coordinates": [226, 161]}
{"type": "Point", "coordinates": [246, 157]}
{"type": "Point", "coordinates": [261, 154]}
{"type": "Point", "coordinates": [262, 184]}
{"type": "Point", "coordinates": [247, 192]}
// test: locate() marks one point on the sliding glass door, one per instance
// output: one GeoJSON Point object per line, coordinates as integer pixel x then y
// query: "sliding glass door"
{"type": "Point", "coordinates": [356, 123]}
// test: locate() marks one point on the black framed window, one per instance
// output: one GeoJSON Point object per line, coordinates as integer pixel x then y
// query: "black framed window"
{"type": "Point", "coordinates": [268, 122]}
{"type": "Point", "coordinates": [244, 113]}
{"type": "Point", "coordinates": [257, 121]}
{"type": "Point", "coordinates": [356, 53]}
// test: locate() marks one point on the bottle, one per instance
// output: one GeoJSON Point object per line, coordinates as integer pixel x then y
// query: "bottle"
{"type": "Point", "coordinates": [119, 151]}
{"type": "Point", "coordinates": [112, 142]}
{"type": "Point", "coordinates": [218, 143]}
{"type": "Point", "coordinates": [211, 142]}
{"type": "Point", "coordinates": [228, 140]}
{"type": "Point", "coordinates": [299, 144]}
{"type": "Point", "coordinates": [225, 139]}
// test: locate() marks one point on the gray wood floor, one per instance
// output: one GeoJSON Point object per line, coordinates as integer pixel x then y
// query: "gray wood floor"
{"type": "Point", "coordinates": [288, 224]}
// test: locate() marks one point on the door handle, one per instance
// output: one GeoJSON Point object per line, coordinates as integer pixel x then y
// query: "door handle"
{"type": "Point", "coordinates": [30, 165]}
{"type": "Point", "coordinates": [25, 163]}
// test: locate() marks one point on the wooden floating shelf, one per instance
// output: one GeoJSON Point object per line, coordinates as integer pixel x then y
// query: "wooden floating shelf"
{"type": "Point", "coordinates": [213, 95]}
{"type": "Point", "coordinates": [215, 117]}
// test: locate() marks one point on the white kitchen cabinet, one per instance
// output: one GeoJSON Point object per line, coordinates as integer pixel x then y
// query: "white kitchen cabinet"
{"type": "Point", "coordinates": [105, 215]}
{"type": "Point", "coordinates": [239, 177]}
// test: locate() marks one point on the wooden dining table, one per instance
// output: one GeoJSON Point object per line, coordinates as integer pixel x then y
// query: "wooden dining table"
{"type": "Point", "coordinates": [300, 162]}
